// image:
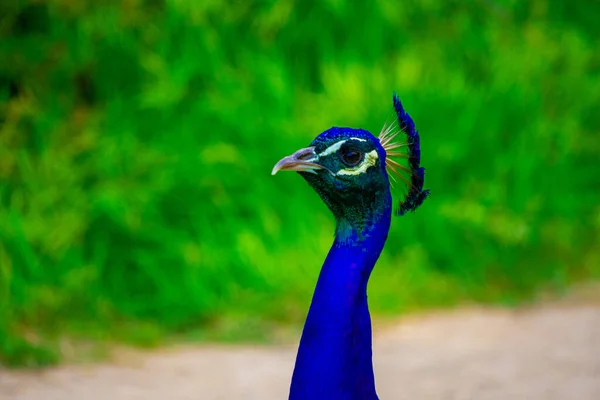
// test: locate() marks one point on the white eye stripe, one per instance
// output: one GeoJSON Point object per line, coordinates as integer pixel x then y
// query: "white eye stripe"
{"type": "Point", "coordinates": [369, 161]}
{"type": "Point", "coordinates": [337, 145]}
{"type": "Point", "coordinates": [332, 149]}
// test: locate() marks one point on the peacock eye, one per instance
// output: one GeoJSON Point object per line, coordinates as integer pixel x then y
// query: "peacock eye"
{"type": "Point", "coordinates": [352, 158]}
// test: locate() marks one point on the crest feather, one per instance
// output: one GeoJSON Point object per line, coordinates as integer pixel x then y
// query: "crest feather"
{"type": "Point", "coordinates": [412, 176]}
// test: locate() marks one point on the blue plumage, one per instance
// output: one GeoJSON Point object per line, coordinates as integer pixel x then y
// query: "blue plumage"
{"type": "Point", "coordinates": [348, 168]}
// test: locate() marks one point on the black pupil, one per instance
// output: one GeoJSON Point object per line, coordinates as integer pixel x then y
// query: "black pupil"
{"type": "Point", "coordinates": [352, 157]}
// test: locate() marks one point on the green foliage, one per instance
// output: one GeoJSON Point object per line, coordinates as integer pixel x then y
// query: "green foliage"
{"type": "Point", "coordinates": [136, 142]}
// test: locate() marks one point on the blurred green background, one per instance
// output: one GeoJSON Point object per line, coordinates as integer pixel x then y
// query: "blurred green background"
{"type": "Point", "coordinates": [137, 140]}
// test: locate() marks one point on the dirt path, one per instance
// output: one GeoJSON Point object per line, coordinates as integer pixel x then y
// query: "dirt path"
{"type": "Point", "coordinates": [550, 352]}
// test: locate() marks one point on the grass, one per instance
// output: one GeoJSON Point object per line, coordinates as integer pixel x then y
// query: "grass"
{"type": "Point", "coordinates": [136, 142]}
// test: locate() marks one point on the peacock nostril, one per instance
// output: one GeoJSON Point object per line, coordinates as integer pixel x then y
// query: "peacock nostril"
{"type": "Point", "coordinates": [306, 154]}
{"type": "Point", "coordinates": [303, 161]}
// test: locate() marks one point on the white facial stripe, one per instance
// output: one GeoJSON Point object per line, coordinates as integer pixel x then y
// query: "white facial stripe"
{"type": "Point", "coordinates": [336, 146]}
{"type": "Point", "coordinates": [369, 161]}
{"type": "Point", "coordinates": [332, 149]}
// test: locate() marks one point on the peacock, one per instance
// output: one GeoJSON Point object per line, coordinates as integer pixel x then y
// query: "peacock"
{"type": "Point", "coordinates": [350, 169]}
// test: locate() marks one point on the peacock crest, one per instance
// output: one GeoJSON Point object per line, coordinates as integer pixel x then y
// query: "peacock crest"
{"type": "Point", "coordinates": [412, 175]}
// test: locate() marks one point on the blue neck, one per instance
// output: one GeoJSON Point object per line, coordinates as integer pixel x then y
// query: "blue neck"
{"type": "Point", "coordinates": [335, 357]}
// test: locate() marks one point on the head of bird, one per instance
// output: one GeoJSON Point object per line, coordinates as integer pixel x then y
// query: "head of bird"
{"type": "Point", "coordinates": [347, 168]}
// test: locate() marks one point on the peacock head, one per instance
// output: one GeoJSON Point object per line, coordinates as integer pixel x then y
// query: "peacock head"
{"type": "Point", "coordinates": [349, 168]}
{"type": "Point", "coordinates": [346, 167]}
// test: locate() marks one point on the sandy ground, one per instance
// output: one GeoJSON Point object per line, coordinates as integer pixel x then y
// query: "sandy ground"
{"type": "Point", "coordinates": [550, 352]}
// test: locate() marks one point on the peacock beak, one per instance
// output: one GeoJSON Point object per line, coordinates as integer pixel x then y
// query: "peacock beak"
{"type": "Point", "coordinates": [304, 160]}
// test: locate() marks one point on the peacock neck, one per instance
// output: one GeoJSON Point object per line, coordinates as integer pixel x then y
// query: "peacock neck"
{"type": "Point", "coordinates": [335, 354]}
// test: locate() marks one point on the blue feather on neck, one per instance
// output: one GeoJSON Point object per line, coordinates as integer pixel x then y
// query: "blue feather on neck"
{"type": "Point", "coordinates": [335, 357]}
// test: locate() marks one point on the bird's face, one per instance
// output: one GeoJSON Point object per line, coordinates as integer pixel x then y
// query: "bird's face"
{"type": "Point", "coordinates": [346, 167]}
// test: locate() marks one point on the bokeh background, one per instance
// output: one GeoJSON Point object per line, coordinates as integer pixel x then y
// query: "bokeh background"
{"type": "Point", "coordinates": [137, 139]}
